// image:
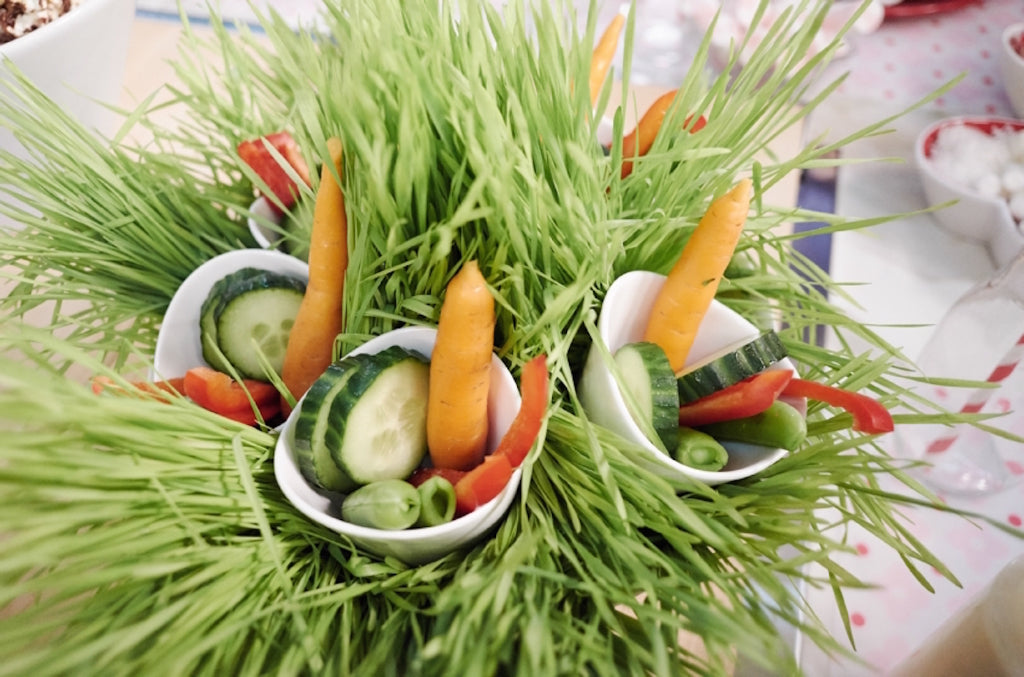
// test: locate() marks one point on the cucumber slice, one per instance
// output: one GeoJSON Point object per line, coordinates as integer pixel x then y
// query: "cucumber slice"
{"type": "Point", "coordinates": [647, 376]}
{"type": "Point", "coordinates": [254, 315]}
{"type": "Point", "coordinates": [311, 452]}
{"type": "Point", "coordinates": [378, 420]}
{"type": "Point", "coordinates": [730, 366]}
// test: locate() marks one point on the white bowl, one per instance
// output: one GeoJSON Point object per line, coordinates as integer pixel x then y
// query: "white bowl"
{"type": "Point", "coordinates": [178, 345]}
{"type": "Point", "coordinates": [1012, 68]}
{"type": "Point", "coordinates": [412, 546]}
{"type": "Point", "coordinates": [976, 217]}
{"type": "Point", "coordinates": [78, 60]}
{"type": "Point", "coordinates": [624, 314]}
{"type": "Point", "coordinates": [262, 214]}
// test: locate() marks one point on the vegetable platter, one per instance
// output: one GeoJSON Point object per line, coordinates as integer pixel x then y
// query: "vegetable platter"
{"type": "Point", "coordinates": [143, 534]}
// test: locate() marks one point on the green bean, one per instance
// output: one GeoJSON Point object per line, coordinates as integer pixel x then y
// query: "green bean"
{"type": "Point", "coordinates": [387, 504]}
{"type": "Point", "coordinates": [778, 426]}
{"type": "Point", "coordinates": [437, 502]}
{"type": "Point", "coordinates": [699, 450]}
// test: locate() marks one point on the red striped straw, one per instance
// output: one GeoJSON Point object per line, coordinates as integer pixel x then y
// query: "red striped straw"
{"type": "Point", "coordinates": [980, 397]}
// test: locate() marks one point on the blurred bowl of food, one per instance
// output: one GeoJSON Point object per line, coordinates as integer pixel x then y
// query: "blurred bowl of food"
{"type": "Point", "coordinates": [976, 163]}
{"type": "Point", "coordinates": [1011, 63]}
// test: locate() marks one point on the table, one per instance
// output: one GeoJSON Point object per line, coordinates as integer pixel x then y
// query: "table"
{"type": "Point", "coordinates": [914, 271]}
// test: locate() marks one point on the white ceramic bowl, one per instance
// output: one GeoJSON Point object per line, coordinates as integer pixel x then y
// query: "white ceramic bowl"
{"type": "Point", "coordinates": [624, 314]}
{"type": "Point", "coordinates": [78, 60]}
{"type": "Point", "coordinates": [1011, 65]}
{"type": "Point", "coordinates": [263, 214]}
{"type": "Point", "coordinates": [976, 217]}
{"type": "Point", "coordinates": [178, 345]}
{"type": "Point", "coordinates": [412, 546]}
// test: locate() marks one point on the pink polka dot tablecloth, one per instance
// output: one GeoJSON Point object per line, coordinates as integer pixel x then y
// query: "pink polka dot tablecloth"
{"type": "Point", "coordinates": [908, 58]}
{"type": "Point", "coordinates": [901, 63]}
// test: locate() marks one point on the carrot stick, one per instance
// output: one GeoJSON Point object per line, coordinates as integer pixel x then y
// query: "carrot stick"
{"type": "Point", "coordinates": [604, 52]}
{"type": "Point", "coordinates": [460, 372]}
{"type": "Point", "coordinates": [311, 340]}
{"type": "Point", "coordinates": [640, 140]}
{"type": "Point", "coordinates": [691, 284]}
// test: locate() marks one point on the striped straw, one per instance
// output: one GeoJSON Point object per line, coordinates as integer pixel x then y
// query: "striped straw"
{"type": "Point", "coordinates": [980, 397]}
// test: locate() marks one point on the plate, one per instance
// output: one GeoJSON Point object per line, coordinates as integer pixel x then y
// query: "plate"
{"type": "Point", "coordinates": [909, 9]}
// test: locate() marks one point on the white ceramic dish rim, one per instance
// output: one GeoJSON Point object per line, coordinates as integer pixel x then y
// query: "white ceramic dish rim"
{"type": "Point", "coordinates": [1009, 32]}
{"type": "Point", "coordinates": [178, 344]}
{"type": "Point", "coordinates": [461, 530]}
{"type": "Point", "coordinates": [925, 163]}
{"type": "Point", "coordinates": [671, 467]}
{"type": "Point", "coordinates": [53, 30]}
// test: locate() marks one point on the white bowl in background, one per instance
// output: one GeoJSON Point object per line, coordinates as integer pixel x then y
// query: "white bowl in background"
{"type": "Point", "coordinates": [1011, 65]}
{"type": "Point", "coordinates": [419, 545]}
{"type": "Point", "coordinates": [78, 60]}
{"type": "Point", "coordinates": [627, 305]}
{"type": "Point", "coordinates": [263, 214]}
{"type": "Point", "coordinates": [976, 217]}
{"type": "Point", "coordinates": [178, 345]}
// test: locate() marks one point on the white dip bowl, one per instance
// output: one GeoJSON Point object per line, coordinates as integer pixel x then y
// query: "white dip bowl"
{"type": "Point", "coordinates": [623, 318]}
{"type": "Point", "coordinates": [418, 545]}
{"type": "Point", "coordinates": [178, 345]}
{"type": "Point", "coordinates": [1011, 65]}
{"type": "Point", "coordinates": [978, 217]}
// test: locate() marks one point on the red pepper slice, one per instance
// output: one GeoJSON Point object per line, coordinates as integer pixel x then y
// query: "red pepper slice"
{"type": "Point", "coordinates": [482, 483]}
{"type": "Point", "coordinates": [254, 153]}
{"type": "Point", "coordinates": [750, 396]}
{"type": "Point", "coordinates": [421, 475]}
{"type": "Point", "coordinates": [218, 392]}
{"type": "Point", "coordinates": [869, 416]}
{"type": "Point", "coordinates": [533, 383]}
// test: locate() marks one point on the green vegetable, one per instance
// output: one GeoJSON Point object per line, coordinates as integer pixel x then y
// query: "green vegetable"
{"type": "Point", "coordinates": [437, 502]}
{"type": "Point", "coordinates": [700, 450]}
{"type": "Point", "coordinates": [650, 384]}
{"type": "Point", "coordinates": [729, 366]}
{"type": "Point", "coordinates": [377, 422]}
{"type": "Point", "coordinates": [247, 314]}
{"type": "Point", "coordinates": [779, 426]}
{"type": "Point", "coordinates": [392, 505]}
{"type": "Point", "coordinates": [310, 429]}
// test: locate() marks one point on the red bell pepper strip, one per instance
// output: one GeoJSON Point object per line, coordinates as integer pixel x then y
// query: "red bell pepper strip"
{"type": "Point", "coordinates": [482, 483]}
{"type": "Point", "coordinates": [521, 435]}
{"type": "Point", "coordinates": [421, 475]}
{"type": "Point", "coordinates": [254, 153]}
{"type": "Point", "coordinates": [869, 416]}
{"type": "Point", "coordinates": [218, 392]}
{"type": "Point", "coordinates": [749, 397]}
{"type": "Point", "coordinates": [158, 390]}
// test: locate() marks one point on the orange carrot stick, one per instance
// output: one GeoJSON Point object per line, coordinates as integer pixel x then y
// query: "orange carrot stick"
{"type": "Point", "coordinates": [640, 140]}
{"type": "Point", "coordinates": [691, 284]}
{"type": "Point", "coordinates": [311, 340]}
{"type": "Point", "coordinates": [604, 52]}
{"type": "Point", "coordinates": [460, 372]}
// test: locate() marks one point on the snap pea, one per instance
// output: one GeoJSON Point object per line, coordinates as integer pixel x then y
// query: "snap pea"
{"type": "Point", "coordinates": [387, 504]}
{"type": "Point", "coordinates": [437, 502]}
{"type": "Point", "coordinates": [700, 450]}
{"type": "Point", "coordinates": [778, 426]}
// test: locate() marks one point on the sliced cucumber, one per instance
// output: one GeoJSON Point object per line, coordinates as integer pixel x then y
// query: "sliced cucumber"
{"type": "Point", "coordinates": [314, 458]}
{"type": "Point", "coordinates": [647, 376]}
{"type": "Point", "coordinates": [252, 319]}
{"type": "Point", "coordinates": [730, 366]}
{"type": "Point", "coordinates": [378, 420]}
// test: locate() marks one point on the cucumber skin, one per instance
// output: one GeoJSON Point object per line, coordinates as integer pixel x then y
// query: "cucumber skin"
{"type": "Point", "coordinates": [661, 388]}
{"type": "Point", "coordinates": [744, 361]}
{"type": "Point", "coordinates": [223, 291]}
{"type": "Point", "coordinates": [370, 367]}
{"type": "Point", "coordinates": [311, 453]}
{"type": "Point", "coordinates": [780, 426]}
